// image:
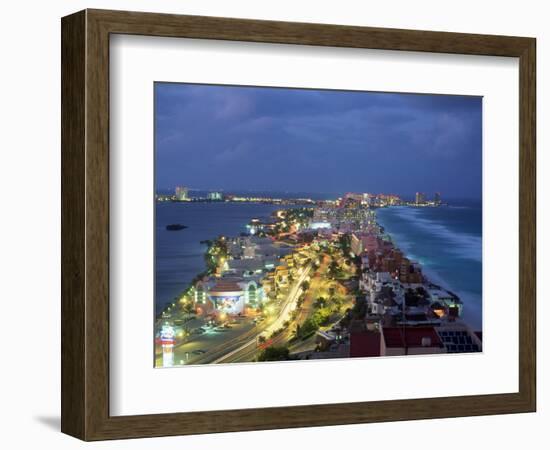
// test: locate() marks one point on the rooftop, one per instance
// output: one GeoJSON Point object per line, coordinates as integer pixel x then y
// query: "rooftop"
{"type": "Point", "coordinates": [410, 337]}
{"type": "Point", "coordinates": [226, 285]}
{"type": "Point", "coordinates": [364, 344]}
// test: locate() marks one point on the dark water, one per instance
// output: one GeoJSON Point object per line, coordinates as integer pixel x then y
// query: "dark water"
{"type": "Point", "coordinates": [447, 242]}
{"type": "Point", "coordinates": [179, 255]}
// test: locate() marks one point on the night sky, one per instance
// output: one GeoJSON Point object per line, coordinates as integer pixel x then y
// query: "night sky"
{"type": "Point", "coordinates": [316, 141]}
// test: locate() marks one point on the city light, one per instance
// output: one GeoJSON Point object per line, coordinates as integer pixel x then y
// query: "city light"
{"type": "Point", "coordinates": [328, 256]}
{"type": "Point", "coordinates": [299, 291]}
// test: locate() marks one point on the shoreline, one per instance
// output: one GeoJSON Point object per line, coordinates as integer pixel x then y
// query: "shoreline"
{"type": "Point", "coordinates": [472, 300]}
{"type": "Point", "coordinates": [430, 275]}
{"type": "Point", "coordinates": [389, 290]}
{"type": "Point", "coordinates": [179, 257]}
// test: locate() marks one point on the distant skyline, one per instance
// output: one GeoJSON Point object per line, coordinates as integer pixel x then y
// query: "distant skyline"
{"type": "Point", "coordinates": [317, 141]}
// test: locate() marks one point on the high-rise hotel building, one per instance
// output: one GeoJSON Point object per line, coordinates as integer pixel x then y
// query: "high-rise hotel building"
{"type": "Point", "coordinates": [215, 196]}
{"type": "Point", "coordinates": [182, 193]}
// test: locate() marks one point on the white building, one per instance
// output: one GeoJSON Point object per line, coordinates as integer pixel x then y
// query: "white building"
{"type": "Point", "coordinates": [182, 193]}
{"type": "Point", "coordinates": [228, 295]}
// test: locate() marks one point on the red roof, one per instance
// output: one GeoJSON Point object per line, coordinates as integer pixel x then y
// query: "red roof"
{"type": "Point", "coordinates": [410, 336]}
{"type": "Point", "coordinates": [364, 344]}
{"type": "Point", "coordinates": [226, 286]}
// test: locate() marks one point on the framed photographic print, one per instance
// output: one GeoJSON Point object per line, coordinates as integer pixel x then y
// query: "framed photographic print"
{"type": "Point", "coordinates": [271, 224]}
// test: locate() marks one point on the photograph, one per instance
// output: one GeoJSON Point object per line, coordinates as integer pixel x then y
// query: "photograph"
{"type": "Point", "coordinates": [298, 224]}
{"type": "Point", "coordinates": [332, 208]}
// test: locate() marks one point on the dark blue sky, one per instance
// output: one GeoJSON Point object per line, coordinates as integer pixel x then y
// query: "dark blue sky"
{"type": "Point", "coordinates": [318, 141]}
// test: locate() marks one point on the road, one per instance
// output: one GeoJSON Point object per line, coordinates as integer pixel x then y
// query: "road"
{"type": "Point", "coordinates": [306, 309]}
{"type": "Point", "coordinates": [248, 349]}
{"type": "Point", "coordinates": [209, 344]}
{"type": "Point", "coordinates": [240, 341]}
{"type": "Point", "coordinates": [318, 288]}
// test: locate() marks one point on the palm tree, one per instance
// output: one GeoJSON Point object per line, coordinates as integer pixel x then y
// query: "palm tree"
{"type": "Point", "coordinates": [188, 307]}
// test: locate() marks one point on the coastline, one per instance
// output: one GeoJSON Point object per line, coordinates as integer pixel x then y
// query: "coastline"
{"type": "Point", "coordinates": [468, 298]}
{"type": "Point", "coordinates": [454, 249]}
{"type": "Point", "coordinates": [179, 256]}
{"type": "Point", "coordinates": [252, 276]}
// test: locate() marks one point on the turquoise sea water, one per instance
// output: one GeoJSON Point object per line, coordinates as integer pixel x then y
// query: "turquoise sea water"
{"type": "Point", "coordinates": [447, 241]}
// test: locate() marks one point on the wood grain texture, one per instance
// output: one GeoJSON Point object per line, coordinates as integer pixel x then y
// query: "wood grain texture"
{"type": "Point", "coordinates": [527, 224]}
{"type": "Point", "coordinates": [201, 27]}
{"type": "Point", "coordinates": [73, 225]}
{"type": "Point", "coordinates": [85, 224]}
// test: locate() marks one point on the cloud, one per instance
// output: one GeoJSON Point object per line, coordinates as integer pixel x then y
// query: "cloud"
{"type": "Point", "coordinates": [313, 138]}
{"type": "Point", "coordinates": [233, 106]}
{"type": "Point", "coordinates": [253, 125]}
{"type": "Point", "coordinates": [235, 153]}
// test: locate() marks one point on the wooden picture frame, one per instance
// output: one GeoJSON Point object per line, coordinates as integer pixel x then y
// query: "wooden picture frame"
{"type": "Point", "coordinates": [85, 224]}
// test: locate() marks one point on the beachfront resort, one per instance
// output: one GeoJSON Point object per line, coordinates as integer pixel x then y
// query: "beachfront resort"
{"type": "Point", "coordinates": [316, 279]}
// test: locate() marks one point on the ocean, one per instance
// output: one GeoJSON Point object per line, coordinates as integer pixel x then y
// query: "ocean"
{"type": "Point", "coordinates": [447, 242]}
{"type": "Point", "coordinates": [179, 255]}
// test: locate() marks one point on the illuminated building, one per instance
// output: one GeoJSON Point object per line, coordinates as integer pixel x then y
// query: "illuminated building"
{"type": "Point", "coordinates": [389, 199]}
{"type": "Point", "coordinates": [281, 275]}
{"type": "Point", "coordinates": [420, 198]}
{"type": "Point", "coordinates": [320, 225]}
{"type": "Point", "coordinates": [367, 199]}
{"type": "Point", "coordinates": [249, 267]}
{"type": "Point", "coordinates": [446, 299]}
{"type": "Point", "coordinates": [437, 198]}
{"type": "Point", "coordinates": [228, 295]}
{"type": "Point", "coordinates": [250, 247]}
{"type": "Point", "coordinates": [215, 196]}
{"type": "Point", "coordinates": [353, 196]}
{"type": "Point", "coordinates": [364, 242]}
{"type": "Point", "coordinates": [167, 341]}
{"type": "Point", "coordinates": [182, 193]}
{"type": "Point", "coordinates": [351, 200]}
{"type": "Point", "coordinates": [256, 225]}
{"type": "Point", "coordinates": [410, 272]}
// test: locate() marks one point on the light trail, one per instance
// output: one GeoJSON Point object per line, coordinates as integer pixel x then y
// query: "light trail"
{"type": "Point", "coordinates": [284, 315]}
